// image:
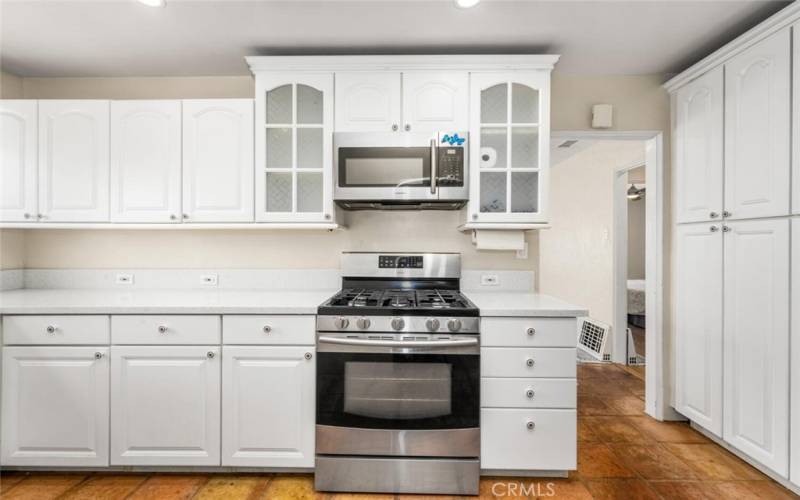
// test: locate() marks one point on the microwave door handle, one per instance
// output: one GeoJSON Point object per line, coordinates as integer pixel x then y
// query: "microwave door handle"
{"type": "Point", "coordinates": [325, 339]}
{"type": "Point", "coordinates": [433, 166]}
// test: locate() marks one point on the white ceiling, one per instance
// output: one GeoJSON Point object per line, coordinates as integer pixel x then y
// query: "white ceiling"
{"type": "Point", "coordinates": [211, 37]}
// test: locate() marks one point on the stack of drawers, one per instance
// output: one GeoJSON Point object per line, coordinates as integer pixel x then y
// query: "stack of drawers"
{"type": "Point", "coordinates": [528, 394]}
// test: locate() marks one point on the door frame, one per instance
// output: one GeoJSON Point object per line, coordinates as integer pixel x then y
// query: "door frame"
{"type": "Point", "coordinates": [658, 375]}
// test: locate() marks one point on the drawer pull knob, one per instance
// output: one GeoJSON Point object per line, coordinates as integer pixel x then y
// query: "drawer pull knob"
{"type": "Point", "coordinates": [530, 425]}
{"type": "Point", "coordinates": [308, 355]}
{"type": "Point", "coordinates": [529, 362]}
{"type": "Point", "coordinates": [98, 355]}
{"type": "Point", "coordinates": [162, 328]}
{"type": "Point", "coordinates": [51, 329]}
{"type": "Point", "coordinates": [210, 354]}
{"type": "Point", "coordinates": [267, 329]}
{"type": "Point", "coordinates": [529, 393]}
{"type": "Point", "coordinates": [531, 331]}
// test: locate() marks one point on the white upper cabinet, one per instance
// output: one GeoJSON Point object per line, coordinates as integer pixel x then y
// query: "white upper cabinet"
{"type": "Point", "coordinates": [218, 160]}
{"type": "Point", "coordinates": [55, 406]}
{"type": "Point", "coordinates": [18, 142]}
{"type": "Point", "coordinates": [756, 340]}
{"type": "Point", "coordinates": [698, 148]}
{"type": "Point", "coordinates": [698, 324]}
{"type": "Point", "coordinates": [435, 101]}
{"type": "Point", "coordinates": [145, 161]}
{"type": "Point", "coordinates": [268, 408]}
{"type": "Point", "coordinates": [509, 156]}
{"type": "Point", "coordinates": [794, 459]}
{"type": "Point", "coordinates": [796, 124]}
{"type": "Point", "coordinates": [294, 144]}
{"type": "Point", "coordinates": [757, 124]}
{"type": "Point", "coordinates": [73, 160]}
{"type": "Point", "coordinates": [368, 102]}
{"type": "Point", "coordinates": [165, 405]}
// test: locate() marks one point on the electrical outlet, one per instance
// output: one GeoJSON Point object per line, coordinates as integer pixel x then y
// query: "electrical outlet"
{"type": "Point", "coordinates": [208, 279]}
{"type": "Point", "coordinates": [490, 280]}
{"type": "Point", "coordinates": [124, 279]}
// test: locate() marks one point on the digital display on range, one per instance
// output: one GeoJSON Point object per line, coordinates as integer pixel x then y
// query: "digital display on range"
{"type": "Point", "coordinates": [400, 261]}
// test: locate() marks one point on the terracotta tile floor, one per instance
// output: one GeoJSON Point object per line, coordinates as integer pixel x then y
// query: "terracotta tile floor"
{"type": "Point", "coordinates": [622, 454]}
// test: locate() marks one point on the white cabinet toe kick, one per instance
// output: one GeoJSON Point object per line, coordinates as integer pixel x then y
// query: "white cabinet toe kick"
{"type": "Point", "coordinates": [222, 393]}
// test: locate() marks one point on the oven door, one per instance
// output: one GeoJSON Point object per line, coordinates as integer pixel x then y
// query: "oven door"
{"type": "Point", "coordinates": [384, 166]}
{"type": "Point", "coordinates": [375, 398]}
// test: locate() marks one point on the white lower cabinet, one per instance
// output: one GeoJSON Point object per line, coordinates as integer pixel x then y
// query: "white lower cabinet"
{"type": "Point", "coordinates": [268, 408]}
{"type": "Point", "coordinates": [165, 405]}
{"type": "Point", "coordinates": [524, 439]}
{"type": "Point", "coordinates": [55, 406]}
{"type": "Point", "coordinates": [794, 459]}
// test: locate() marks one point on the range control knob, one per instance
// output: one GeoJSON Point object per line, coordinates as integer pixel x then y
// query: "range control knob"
{"type": "Point", "coordinates": [363, 323]}
{"type": "Point", "coordinates": [341, 322]}
{"type": "Point", "coordinates": [398, 323]}
{"type": "Point", "coordinates": [432, 324]}
{"type": "Point", "coordinates": [454, 324]}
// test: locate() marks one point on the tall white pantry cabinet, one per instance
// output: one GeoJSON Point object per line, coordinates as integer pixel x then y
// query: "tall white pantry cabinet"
{"type": "Point", "coordinates": [736, 246]}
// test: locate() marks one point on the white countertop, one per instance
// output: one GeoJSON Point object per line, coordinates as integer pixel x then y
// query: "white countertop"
{"type": "Point", "coordinates": [110, 301]}
{"type": "Point", "coordinates": [141, 301]}
{"type": "Point", "coordinates": [522, 304]}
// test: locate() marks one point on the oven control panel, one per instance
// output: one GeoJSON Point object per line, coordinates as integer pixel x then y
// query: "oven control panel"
{"type": "Point", "coordinates": [450, 166]}
{"type": "Point", "coordinates": [400, 261]}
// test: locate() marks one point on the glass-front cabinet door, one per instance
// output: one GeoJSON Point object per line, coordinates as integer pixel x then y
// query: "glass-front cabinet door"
{"type": "Point", "coordinates": [294, 128]}
{"type": "Point", "coordinates": [510, 130]}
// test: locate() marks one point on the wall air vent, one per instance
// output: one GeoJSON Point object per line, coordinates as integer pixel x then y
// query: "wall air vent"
{"type": "Point", "coordinates": [592, 337]}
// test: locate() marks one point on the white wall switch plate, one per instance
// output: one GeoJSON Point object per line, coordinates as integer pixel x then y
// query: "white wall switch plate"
{"type": "Point", "coordinates": [208, 279]}
{"type": "Point", "coordinates": [490, 280]}
{"type": "Point", "coordinates": [124, 279]}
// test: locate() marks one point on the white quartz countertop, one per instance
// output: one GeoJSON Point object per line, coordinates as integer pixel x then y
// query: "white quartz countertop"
{"type": "Point", "coordinates": [111, 301]}
{"type": "Point", "coordinates": [522, 304]}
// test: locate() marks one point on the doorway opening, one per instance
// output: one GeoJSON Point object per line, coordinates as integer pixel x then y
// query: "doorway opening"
{"type": "Point", "coordinates": [604, 249]}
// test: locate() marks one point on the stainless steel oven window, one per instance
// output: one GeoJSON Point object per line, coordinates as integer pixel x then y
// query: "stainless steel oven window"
{"type": "Point", "coordinates": [385, 171]}
{"type": "Point", "coordinates": [397, 390]}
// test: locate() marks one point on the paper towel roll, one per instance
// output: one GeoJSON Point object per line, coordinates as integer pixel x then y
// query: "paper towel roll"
{"type": "Point", "coordinates": [488, 157]}
{"type": "Point", "coordinates": [491, 239]}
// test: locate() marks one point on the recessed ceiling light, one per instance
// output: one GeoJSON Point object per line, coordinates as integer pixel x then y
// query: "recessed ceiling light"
{"type": "Point", "coordinates": [465, 4]}
{"type": "Point", "coordinates": [153, 3]}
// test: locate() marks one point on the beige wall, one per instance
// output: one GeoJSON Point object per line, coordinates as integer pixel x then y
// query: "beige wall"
{"type": "Point", "coordinates": [12, 249]}
{"type": "Point", "coordinates": [576, 255]}
{"type": "Point", "coordinates": [636, 228]}
{"type": "Point", "coordinates": [10, 86]}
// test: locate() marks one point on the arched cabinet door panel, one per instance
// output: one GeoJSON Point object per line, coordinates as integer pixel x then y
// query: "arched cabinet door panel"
{"type": "Point", "coordinates": [368, 102]}
{"type": "Point", "coordinates": [699, 148]}
{"type": "Point", "coordinates": [435, 101]}
{"type": "Point", "coordinates": [146, 161]}
{"type": "Point", "coordinates": [509, 158]}
{"type": "Point", "coordinates": [757, 125]}
{"type": "Point", "coordinates": [18, 143]}
{"type": "Point", "coordinates": [73, 160]}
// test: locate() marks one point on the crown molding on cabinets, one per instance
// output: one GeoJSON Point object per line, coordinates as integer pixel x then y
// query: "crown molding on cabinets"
{"type": "Point", "coordinates": [778, 21]}
{"type": "Point", "coordinates": [312, 226]}
{"type": "Point", "coordinates": [474, 63]}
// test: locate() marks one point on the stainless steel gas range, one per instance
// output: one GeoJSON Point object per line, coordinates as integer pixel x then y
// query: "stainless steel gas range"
{"type": "Point", "coordinates": [398, 378]}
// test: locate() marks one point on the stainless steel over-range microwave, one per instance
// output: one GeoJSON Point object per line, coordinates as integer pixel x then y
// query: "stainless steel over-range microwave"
{"type": "Point", "coordinates": [401, 170]}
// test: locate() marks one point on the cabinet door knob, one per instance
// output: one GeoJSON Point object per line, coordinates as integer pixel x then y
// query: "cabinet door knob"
{"type": "Point", "coordinates": [267, 329]}
{"type": "Point", "coordinates": [41, 216]}
{"type": "Point", "coordinates": [308, 355]}
{"type": "Point", "coordinates": [185, 216]}
{"type": "Point", "coordinates": [531, 331]}
{"type": "Point", "coordinates": [173, 217]}
{"type": "Point", "coordinates": [530, 425]}
{"type": "Point", "coordinates": [529, 362]}
{"type": "Point", "coordinates": [713, 229]}
{"type": "Point", "coordinates": [27, 215]}
{"type": "Point", "coordinates": [51, 329]}
{"type": "Point", "coordinates": [529, 394]}
{"type": "Point", "coordinates": [726, 229]}
{"type": "Point", "coordinates": [713, 215]}
{"type": "Point", "coordinates": [395, 127]}
{"type": "Point", "coordinates": [726, 213]}
{"type": "Point", "coordinates": [474, 216]}
{"type": "Point", "coordinates": [407, 127]}
{"type": "Point", "coordinates": [162, 328]}
{"type": "Point", "coordinates": [210, 354]}
{"type": "Point", "coordinates": [327, 216]}
{"type": "Point", "coordinates": [98, 355]}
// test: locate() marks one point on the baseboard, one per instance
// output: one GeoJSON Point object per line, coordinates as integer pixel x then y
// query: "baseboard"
{"type": "Point", "coordinates": [525, 473]}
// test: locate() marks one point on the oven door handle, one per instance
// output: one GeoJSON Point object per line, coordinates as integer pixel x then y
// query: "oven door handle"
{"type": "Point", "coordinates": [399, 343]}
